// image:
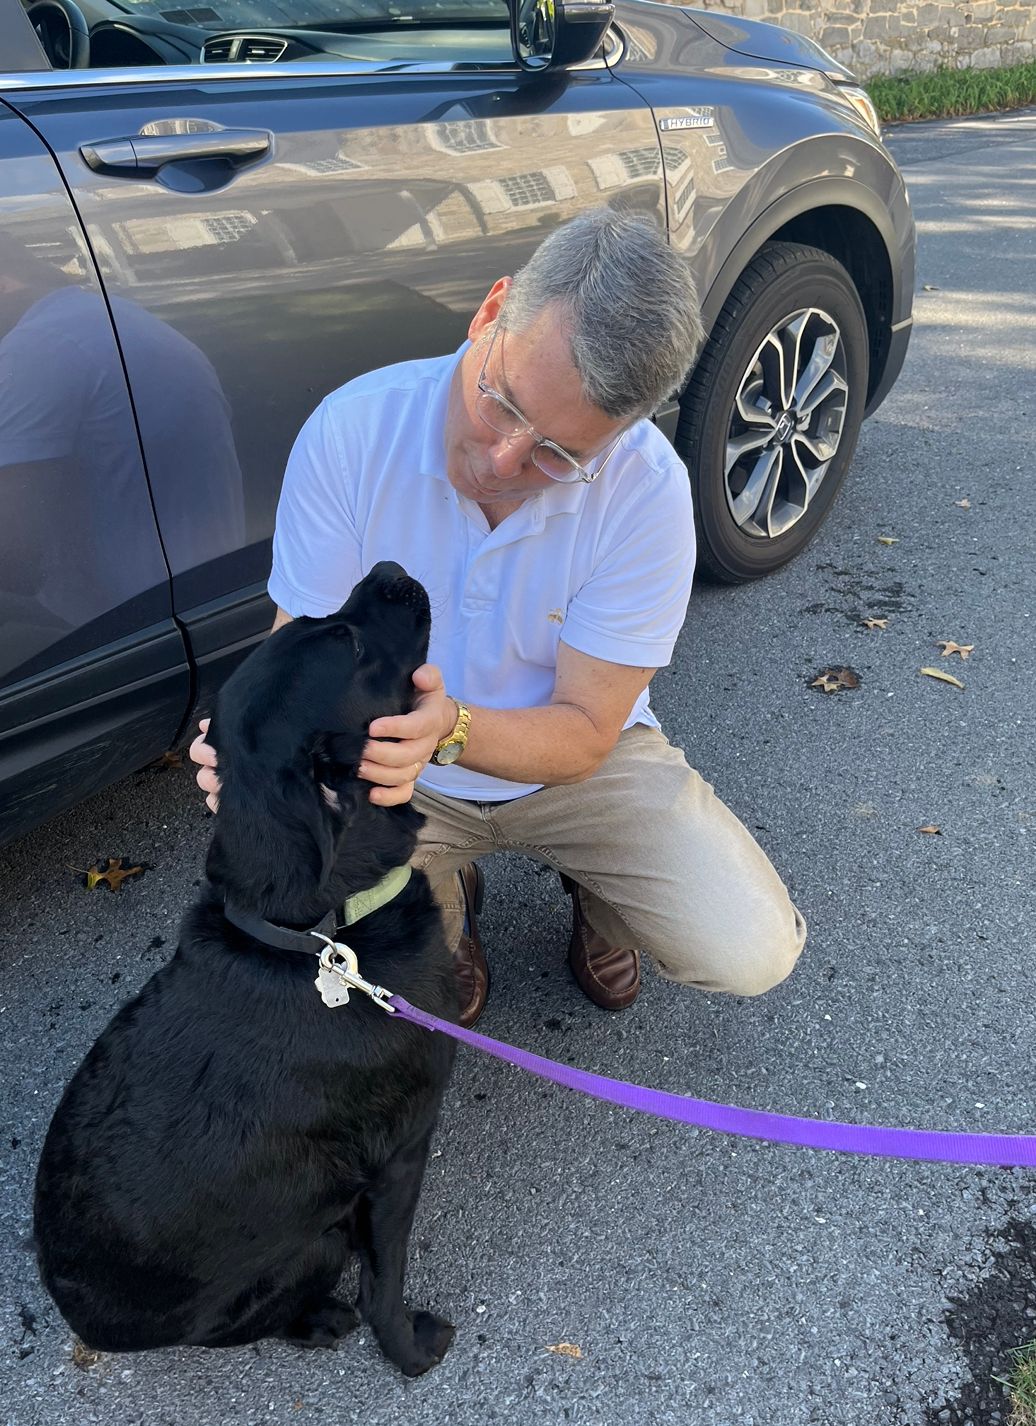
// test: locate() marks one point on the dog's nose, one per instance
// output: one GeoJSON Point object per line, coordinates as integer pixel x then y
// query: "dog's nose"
{"type": "Point", "coordinates": [388, 572]}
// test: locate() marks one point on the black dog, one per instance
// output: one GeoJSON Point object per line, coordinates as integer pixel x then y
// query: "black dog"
{"type": "Point", "coordinates": [229, 1137]}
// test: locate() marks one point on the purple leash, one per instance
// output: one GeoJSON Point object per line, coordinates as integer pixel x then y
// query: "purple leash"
{"type": "Point", "coordinates": [1006, 1150]}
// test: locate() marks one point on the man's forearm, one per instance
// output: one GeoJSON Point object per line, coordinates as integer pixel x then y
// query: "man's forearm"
{"type": "Point", "coordinates": [553, 745]}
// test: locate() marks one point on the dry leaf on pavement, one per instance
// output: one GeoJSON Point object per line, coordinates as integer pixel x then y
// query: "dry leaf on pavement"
{"type": "Point", "coordinates": [888, 539]}
{"type": "Point", "coordinates": [949, 647]}
{"type": "Point", "coordinates": [931, 829]}
{"type": "Point", "coordinates": [113, 874]}
{"type": "Point", "coordinates": [565, 1349]}
{"type": "Point", "coordinates": [834, 680]}
{"type": "Point", "coordinates": [875, 623]}
{"type": "Point", "coordinates": [84, 1357]}
{"type": "Point", "coordinates": [942, 677]}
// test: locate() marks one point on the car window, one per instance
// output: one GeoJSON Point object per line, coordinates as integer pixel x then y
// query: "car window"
{"type": "Point", "coordinates": [379, 33]}
{"type": "Point", "coordinates": [353, 15]}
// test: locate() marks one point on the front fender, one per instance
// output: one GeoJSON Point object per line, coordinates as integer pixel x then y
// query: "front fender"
{"type": "Point", "coordinates": [826, 173]}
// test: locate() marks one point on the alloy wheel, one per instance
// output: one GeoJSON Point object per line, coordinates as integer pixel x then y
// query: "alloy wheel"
{"type": "Point", "coordinates": [786, 423]}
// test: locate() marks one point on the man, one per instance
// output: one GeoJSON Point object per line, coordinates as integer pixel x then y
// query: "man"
{"type": "Point", "coordinates": [521, 481]}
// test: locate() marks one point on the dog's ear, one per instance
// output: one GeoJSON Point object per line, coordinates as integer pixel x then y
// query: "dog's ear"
{"type": "Point", "coordinates": [320, 818]}
{"type": "Point", "coordinates": [334, 768]}
{"type": "Point", "coordinates": [271, 834]}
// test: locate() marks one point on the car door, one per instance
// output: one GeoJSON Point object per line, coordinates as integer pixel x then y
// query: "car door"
{"type": "Point", "coordinates": [308, 222]}
{"type": "Point", "coordinates": [94, 678]}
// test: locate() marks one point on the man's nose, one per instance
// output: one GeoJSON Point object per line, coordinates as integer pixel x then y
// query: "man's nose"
{"type": "Point", "coordinates": [510, 455]}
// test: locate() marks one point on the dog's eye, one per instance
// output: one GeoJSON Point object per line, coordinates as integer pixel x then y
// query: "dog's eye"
{"type": "Point", "coordinates": [343, 631]}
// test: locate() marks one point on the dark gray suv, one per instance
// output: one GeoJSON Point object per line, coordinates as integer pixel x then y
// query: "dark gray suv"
{"type": "Point", "coordinates": [211, 216]}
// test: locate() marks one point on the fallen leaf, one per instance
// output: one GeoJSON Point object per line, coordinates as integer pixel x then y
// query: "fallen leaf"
{"type": "Point", "coordinates": [930, 287]}
{"type": "Point", "coordinates": [931, 829]}
{"type": "Point", "coordinates": [875, 623]}
{"type": "Point", "coordinates": [944, 677]}
{"type": "Point", "coordinates": [888, 539]}
{"type": "Point", "coordinates": [949, 647]}
{"type": "Point", "coordinates": [833, 680]}
{"type": "Point", "coordinates": [964, 504]}
{"type": "Point", "coordinates": [113, 875]}
{"type": "Point", "coordinates": [84, 1357]}
{"type": "Point", "coordinates": [565, 1349]}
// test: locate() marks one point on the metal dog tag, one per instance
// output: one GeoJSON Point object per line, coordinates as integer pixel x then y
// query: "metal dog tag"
{"type": "Point", "coordinates": [333, 990]}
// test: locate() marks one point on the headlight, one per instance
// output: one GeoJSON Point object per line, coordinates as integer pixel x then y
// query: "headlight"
{"type": "Point", "coordinates": [861, 101]}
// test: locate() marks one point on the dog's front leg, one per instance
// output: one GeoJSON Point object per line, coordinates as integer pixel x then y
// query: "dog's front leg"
{"type": "Point", "coordinates": [414, 1341]}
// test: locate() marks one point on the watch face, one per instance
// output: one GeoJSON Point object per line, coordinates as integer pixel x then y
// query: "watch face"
{"type": "Point", "coordinates": [449, 754]}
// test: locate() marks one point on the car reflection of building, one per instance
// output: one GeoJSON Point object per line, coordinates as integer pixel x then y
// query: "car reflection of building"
{"type": "Point", "coordinates": [429, 200]}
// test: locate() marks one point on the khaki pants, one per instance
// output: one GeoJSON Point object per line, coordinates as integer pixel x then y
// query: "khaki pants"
{"type": "Point", "coordinates": [664, 866]}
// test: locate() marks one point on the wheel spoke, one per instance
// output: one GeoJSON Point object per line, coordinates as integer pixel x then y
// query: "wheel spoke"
{"type": "Point", "coordinates": [758, 492]}
{"type": "Point", "coordinates": [810, 477]}
{"type": "Point", "coordinates": [794, 331]}
{"type": "Point", "coordinates": [818, 446]}
{"type": "Point", "coordinates": [776, 376]}
{"type": "Point", "coordinates": [737, 446]}
{"type": "Point", "coordinates": [824, 350]}
{"type": "Point", "coordinates": [751, 414]}
{"type": "Point", "coordinates": [826, 384]}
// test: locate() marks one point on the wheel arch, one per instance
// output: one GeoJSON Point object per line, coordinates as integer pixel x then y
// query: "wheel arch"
{"type": "Point", "coordinates": [851, 223]}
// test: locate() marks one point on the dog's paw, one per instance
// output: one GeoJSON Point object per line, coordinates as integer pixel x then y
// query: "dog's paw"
{"type": "Point", "coordinates": [322, 1325]}
{"type": "Point", "coordinates": [432, 1338]}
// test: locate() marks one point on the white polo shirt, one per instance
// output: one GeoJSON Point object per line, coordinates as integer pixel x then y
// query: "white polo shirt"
{"type": "Point", "coordinates": [607, 566]}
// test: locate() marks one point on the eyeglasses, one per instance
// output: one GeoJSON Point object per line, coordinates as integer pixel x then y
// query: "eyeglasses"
{"type": "Point", "coordinates": [507, 420]}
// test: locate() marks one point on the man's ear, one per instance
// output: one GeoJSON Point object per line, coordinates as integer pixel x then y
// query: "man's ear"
{"type": "Point", "coordinates": [489, 310]}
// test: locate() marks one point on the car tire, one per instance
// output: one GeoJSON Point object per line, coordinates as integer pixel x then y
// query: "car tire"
{"type": "Point", "coordinates": [771, 414]}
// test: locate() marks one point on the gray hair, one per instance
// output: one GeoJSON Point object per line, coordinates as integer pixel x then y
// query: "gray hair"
{"type": "Point", "coordinates": [628, 301]}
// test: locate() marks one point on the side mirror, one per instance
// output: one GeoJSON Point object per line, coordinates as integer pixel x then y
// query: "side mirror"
{"type": "Point", "coordinates": [551, 34]}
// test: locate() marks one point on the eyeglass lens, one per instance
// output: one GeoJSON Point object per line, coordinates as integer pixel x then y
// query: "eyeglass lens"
{"type": "Point", "coordinates": [502, 419]}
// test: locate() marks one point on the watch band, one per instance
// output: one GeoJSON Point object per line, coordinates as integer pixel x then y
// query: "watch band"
{"type": "Point", "coordinates": [458, 735]}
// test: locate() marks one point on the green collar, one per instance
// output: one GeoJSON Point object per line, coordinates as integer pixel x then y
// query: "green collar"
{"type": "Point", "coordinates": [364, 902]}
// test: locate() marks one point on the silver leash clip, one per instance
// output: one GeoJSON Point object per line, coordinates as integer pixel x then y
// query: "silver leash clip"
{"type": "Point", "coordinates": [339, 972]}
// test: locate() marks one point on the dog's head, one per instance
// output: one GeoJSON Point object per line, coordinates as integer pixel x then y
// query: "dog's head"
{"type": "Point", "coordinates": [296, 829]}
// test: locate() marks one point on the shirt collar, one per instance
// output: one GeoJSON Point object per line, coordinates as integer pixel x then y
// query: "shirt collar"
{"type": "Point", "coordinates": [433, 444]}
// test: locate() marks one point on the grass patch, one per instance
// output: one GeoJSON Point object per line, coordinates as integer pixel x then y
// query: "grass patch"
{"type": "Point", "coordinates": [1022, 1386]}
{"type": "Point", "coordinates": [946, 92]}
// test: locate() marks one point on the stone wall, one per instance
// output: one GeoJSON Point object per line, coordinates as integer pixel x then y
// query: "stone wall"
{"type": "Point", "coordinates": [893, 36]}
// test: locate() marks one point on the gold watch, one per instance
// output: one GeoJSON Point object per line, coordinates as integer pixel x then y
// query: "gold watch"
{"type": "Point", "coordinates": [449, 749]}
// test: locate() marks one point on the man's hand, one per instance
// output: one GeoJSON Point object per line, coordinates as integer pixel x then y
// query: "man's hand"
{"type": "Point", "coordinates": [205, 756]}
{"type": "Point", "coordinates": [395, 767]}
{"type": "Point", "coordinates": [392, 767]}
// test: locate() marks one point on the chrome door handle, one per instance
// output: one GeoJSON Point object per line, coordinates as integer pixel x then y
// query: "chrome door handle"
{"type": "Point", "coordinates": [142, 155]}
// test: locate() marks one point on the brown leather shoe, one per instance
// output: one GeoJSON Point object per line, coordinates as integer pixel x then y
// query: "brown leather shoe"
{"type": "Point", "coordinates": [607, 975]}
{"type": "Point", "coordinates": [468, 959]}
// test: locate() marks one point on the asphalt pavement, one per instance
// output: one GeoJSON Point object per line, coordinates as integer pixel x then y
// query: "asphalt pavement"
{"type": "Point", "coordinates": [705, 1280]}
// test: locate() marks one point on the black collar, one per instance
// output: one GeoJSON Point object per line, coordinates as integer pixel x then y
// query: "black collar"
{"type": "Point", "coordinates": [355, 908]}
{"type": "Point", "coordinates": [281, 937]}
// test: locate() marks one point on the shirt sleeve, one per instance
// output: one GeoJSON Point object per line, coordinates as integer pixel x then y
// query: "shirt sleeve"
{"type": "Point", "coordinates": [316, 547]}
{"type": "Point", "coordinates": [632, 608]}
